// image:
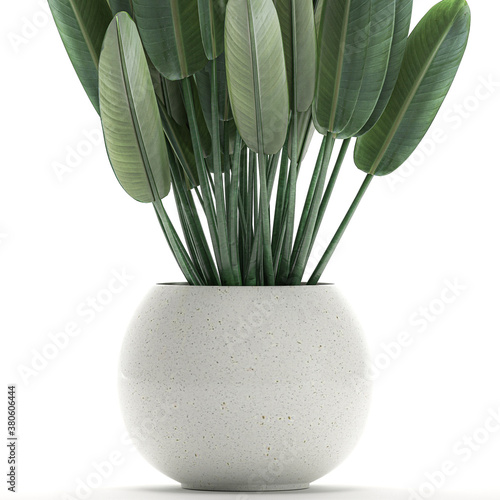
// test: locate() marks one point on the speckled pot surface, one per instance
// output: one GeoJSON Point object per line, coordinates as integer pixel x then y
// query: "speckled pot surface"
{"type": "Point", "coordinates": [244, 388]}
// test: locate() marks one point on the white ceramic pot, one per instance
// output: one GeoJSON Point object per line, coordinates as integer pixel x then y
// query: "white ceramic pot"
{"type": "Point", "coordinates": [244, 388]}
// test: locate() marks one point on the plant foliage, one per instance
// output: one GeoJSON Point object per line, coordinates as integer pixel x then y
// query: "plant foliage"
{"type": "Point", "coordinates": [215, 102]}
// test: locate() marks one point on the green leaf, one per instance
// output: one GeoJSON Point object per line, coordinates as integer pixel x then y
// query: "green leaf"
{"type": "Point", "coordinates": [225, 111]}
{"type": "Point", "coordinates": [433, 54]}
{"type": "Point", "coordinates": [203, 78]}
{"type": "Point", "coordinates": [401, 29]}
{"type": "Point", "coordinates": [299, 43]}
{"type": "Point", "coordinates": [230, 128]}
{"type": "Point", "coordinates": [205, 137]}
{"type": "Point", "coordinates": [174, 102]}
{"type": "Point", "coordinates": [306, 130]}
{"type": "Point", "coordinates": [343, 38]}
{"type": "Point", "coordinates": [170, 32]}
{"type": "Point", "coordinates": [193, 229]}
{"type": "Point", "coordinates": [256, 74]}
{"type": "Point", "coordinates": [157, 80]}
{"type": "Point", "coordinates": [203, 104]}
{"type": "Point", "coordinates": [130, 118]}
{"type": "Point", "coordinates": [82, 25]}
{"type": "Point", "coordinates": [212, 14]}
{"type": "Point", "coordinates": [383, 14]}
{"type": "Point", "coordinates": [179, 138]}
{"type": "Point", "coordinates": [121, 6]}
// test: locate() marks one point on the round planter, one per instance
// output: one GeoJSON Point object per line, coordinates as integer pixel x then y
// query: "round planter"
{"type": "Point", "coordinates": [244, 388]}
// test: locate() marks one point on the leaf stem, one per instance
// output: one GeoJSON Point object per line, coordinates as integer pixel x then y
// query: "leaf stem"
{"type": "Point", "coordinates": [280, 198]}
{"type": "Point", "coordinates": [316, 275]}
{"type": "Point", "coordinates": [233, 210]}
{"type": "Point", "coordinates": [220, 205]}
{"type": "Point", "coordinates": [286, 250]}
{"type": "Point", "coordinates": [186, 203]}
{"type": "Point", "coordinates": [264, 222]}
{"type": "Point", "coordinates": [328, 192]}
{"type": "Point", "coordinates": [175, 243]}
{"type": "Point", "coordinates": [302, 246]}
{"type": "Point", "coordinates": [201, 168]}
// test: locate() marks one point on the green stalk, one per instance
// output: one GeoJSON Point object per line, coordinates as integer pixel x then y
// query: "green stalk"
{"type": "Point", "coordinates": [280, 198]}
{"type": "Point", "coordinates": [316, 275]}
{"type": "Point", "coordinates": [252, 205]}
{"type": "Point", "coordinates": [309, 197]}
{"type": "Point", "coordinates": [183, 259]}
{"type": "Point", "coordinates": [201, 168]}
{"type": "Point", "coordinates": [175, 243]}
{"type": "Point", "coordinates": [198, 228]}
{"type": "Point", "coordinates": [277, 251]}
{"type": "Point", "coordinates": [197, 234]}
{"type": "Point", "coordinates": [242, 191]}
{"type": "Point", "coordinates": [282, 228]}
{"type": "Point", "coordinates": [227, 162]}
{"type": "Point", "coordinates": [220, 207]}
{"type": "Point", "coordinates": [253, 162]}
{"type": "Point", "coordinates": [271, 174]}
{"type": "Point", "coordinates": [241, 203]}
{"type": "Point", "coordinates": [170, 134]}
{"type": "Point", "coordinates": [243, 206]}
{"type": "Point", "coordinates": [302, 245]}
{"type": "Point", "coordinates": [286, 250]}
{"type": "Point", "coordinates": [328, 193]}
{"type": "Point", "coordinates": [264, 222]}
{"type": "Point", "coordinates": [188, 237]}
{"type": "Point", "coordinates": [261, 279]}
{"type": "Point", "coordinates": [233, 209]}
{"type": "Point", "coordinates": [209, 176]}
{"type": "Point", "coordinates": [251, 271]}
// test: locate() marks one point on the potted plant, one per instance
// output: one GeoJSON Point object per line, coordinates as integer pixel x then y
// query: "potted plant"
{"type": "Point", "coordinates": [244, 378]}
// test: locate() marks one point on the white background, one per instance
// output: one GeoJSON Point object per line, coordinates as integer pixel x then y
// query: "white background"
{"type": "Point", "coordinates": [62, 236]}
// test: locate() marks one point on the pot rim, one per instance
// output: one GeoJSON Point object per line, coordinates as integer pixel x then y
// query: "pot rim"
{"type": "Point", "coordinates": [302, 285]}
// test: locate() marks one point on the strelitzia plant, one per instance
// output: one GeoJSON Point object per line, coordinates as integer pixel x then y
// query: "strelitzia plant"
{"type": "Point", "coordinates": [217, 101]}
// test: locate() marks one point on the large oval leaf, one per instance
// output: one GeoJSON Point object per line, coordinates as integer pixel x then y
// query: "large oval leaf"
{"type": "Point", "coordinates": [433, 55]}
{"type": "Point", "coordinates": [343, 37]}
{"type": "Point", "coordinates": [130, 118]}
{"type": "Point", "coordinates": [170, 32]}
{"type": "Point", "coordinates": [299, 43]}
{"type": "Point", "coordinates": [225, 111]}
{"type": "Point", "coordinates": [179, 138]}
{"type": "Point", "coordinates": [203, 130]}
{"type": "Point", "coordinates": [176, 109]}
{"type": "Point", "coordinates": [306, 129]}
{"type": "Point", "coordinates": [121, 6]}
{"type": "Point", "coordinates": [82, 25]}
{"type": "Point", "coordinates": [203, 79]}
{"type": "Point", "coordinates": [173, 101]}
{"type": "Point", "coordinates": [401, 29]}
{"type": "Point", "coordinates": [212, 14]}
{"type": "Point", "coordinates": [256, 74]}
{"type": "Point", "coordinates": [383, 14]}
